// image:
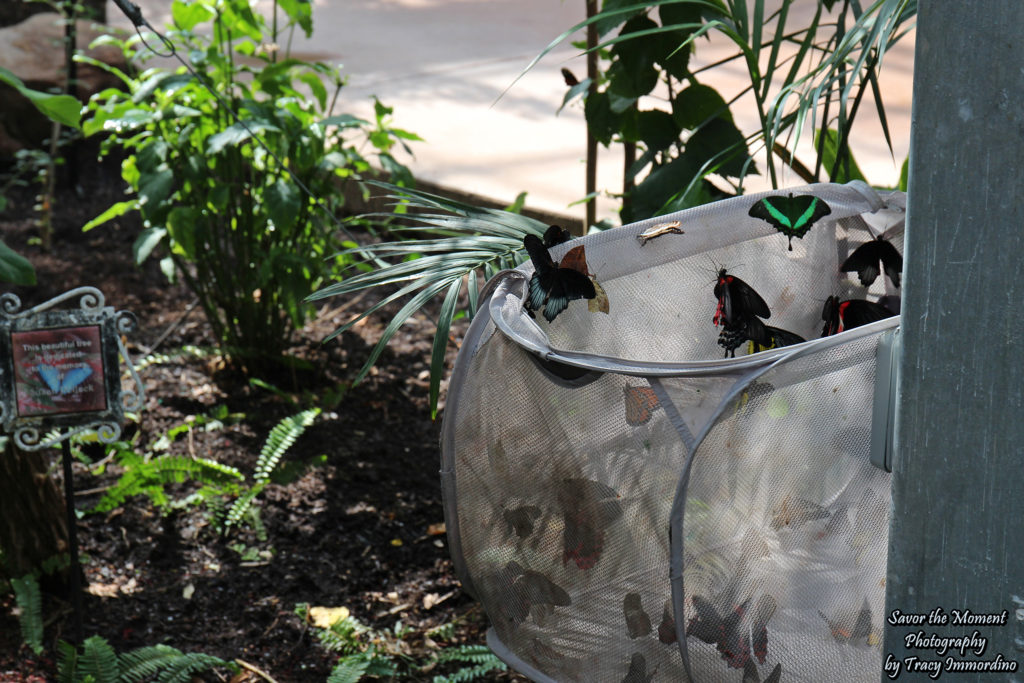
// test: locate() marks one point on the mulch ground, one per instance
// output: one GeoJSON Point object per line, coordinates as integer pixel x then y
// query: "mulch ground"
{"type": "Point", "coordinates": [361, 530]}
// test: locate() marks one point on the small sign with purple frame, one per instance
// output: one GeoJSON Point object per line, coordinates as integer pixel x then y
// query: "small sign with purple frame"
{"type": "Point", "coordinates": [61, 369]}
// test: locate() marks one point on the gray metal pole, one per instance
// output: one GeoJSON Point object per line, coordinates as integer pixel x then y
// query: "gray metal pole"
{"type": "Point", "coordinates": [957, 537]}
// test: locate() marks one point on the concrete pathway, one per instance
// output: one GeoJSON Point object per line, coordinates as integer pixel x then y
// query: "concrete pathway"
{"type": "Point", "coordinates": [444, 64]}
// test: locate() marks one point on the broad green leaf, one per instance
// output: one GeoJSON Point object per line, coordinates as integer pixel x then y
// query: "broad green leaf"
{"type": "Point", "coordinates": [658, 187]}
{"type": "Point", "coordinates": [316, 86]}
{"type": "Point", "coordinates": [14, 267]}
{"type": "Point", "coordinates": [63, 109]}
{"type": "Point", "coordinates": [633, 74]}
{"type": "Point", "coordinates": [187, 15]}
{"type": "Point", "coordinates": [904, 175]}
{"type": "Point", "coordinates": [114, 211]}
{"type": "Point", "coordinates": [697, 104]}
{"type": "Point", "coordinates": [602, 122]}
{"type": "Point", "coordinates": [299, 11]}
{"type": "Point", "coordinates": [657, 129]}
{"type": "Point", "coordinates": [720, 142]}
{"type": "Point", "coordinates": [236, 134]}
{"type": "Point", "coordinates": [283, 201]}
{"type": "Point", "coordinates": [155, 187]}
{"type": "Point", "coordinates": [146, 242]}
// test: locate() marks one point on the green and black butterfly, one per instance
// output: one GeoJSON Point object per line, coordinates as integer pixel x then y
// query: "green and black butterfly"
{"type": "Point", "coordinates": [792, 215]}
{"type": "Point", "coordinates": [553, 285]}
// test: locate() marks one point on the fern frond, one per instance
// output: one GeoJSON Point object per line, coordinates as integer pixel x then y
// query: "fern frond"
{"type": "Point", "coordinates": [151, 477]}
{"type": "Point", "coordinates": [471, 673]}
{"type": "Point", "coordinates": [67, 662]}
{"type": "Point", "coordinates": [187, 351]}
{"type": "Point", "coordinates": [98, 660]}
{"type": "Point", "coordinates": [241, 506]}
{"type": "Point", "coordinates": [350, 669]}
{"type": "Point", "coordinates": [26, 593]}
{"type": "Point", "coordinates": [183, 669]}
{"type": "Point", "coordinates": [472, 654]}
{"type": "Point", "coordinates": [281, 438]}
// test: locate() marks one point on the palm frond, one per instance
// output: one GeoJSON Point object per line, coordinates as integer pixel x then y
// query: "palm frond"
{"type": "Point", "coordinates": [451, 245]}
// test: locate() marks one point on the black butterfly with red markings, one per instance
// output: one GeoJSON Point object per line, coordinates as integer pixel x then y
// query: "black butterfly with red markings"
{"type": "Point", "coordinates": [846, 315]}
{"type": "Point", "coordinates": [866, 257]}
{"type": "Point", "coordinates": [738, 312]}
{"type": "Point", "coordinates": [588, 508]}
{"type": "Point", "coordinates": [738, 633]}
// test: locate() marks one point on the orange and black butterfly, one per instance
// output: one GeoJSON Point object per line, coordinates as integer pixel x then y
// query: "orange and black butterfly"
{"type": "Point", "coordinates": [641, 402]}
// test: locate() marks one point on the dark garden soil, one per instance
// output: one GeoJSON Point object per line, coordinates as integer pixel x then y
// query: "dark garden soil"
{"type": "Point", "coordinates": [363, 530]}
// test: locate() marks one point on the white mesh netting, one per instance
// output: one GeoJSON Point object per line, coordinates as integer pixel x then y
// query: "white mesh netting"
{"type": "Point", "coordinates": [628, 506]}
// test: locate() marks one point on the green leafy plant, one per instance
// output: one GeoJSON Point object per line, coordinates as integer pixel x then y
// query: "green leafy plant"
{"type": "Point", "coordinates": [149, 470]}
{"type": "Point", "coordinates": [449, 245]}
{"type": "Point", "coordinates": [235, 164]}
{"type": "Point", "coordinates": [97, 662]}
{"type": "Point", "coordinates": [369, 653]}
{"type": "Point", "coordinates": [30, 611]}
{"type": "Point", "coordinates": [281, 438]}
{"type": "Point", "coordinates": [677, 131]}
{"type": "Point", "coordinates": [62, 109]}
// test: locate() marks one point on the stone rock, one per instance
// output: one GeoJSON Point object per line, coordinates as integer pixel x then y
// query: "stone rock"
{"type": "Point", "coordinates": [34, 51]}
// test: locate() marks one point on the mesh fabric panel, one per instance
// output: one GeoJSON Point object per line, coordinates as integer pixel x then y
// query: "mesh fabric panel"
{"type": "Point", "coordinates": [562, 483]}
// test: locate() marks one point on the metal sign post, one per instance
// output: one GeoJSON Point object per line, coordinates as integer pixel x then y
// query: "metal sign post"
{"type": "Point", "coordinates": [956, 547]}
{"type": "Point", "coordinates": [60, 375]}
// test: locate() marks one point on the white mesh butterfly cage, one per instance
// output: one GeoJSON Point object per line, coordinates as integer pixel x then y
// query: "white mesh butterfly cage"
{"type": "Point", "coordinates": [627, 504]}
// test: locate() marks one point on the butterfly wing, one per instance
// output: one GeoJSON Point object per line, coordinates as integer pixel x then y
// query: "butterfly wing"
{"type": "Point", "coordinates": [588, 508]}
{"type": "Point", "coordinates": [552, 287]}
{"type": "Point", "coordinates": [750, 673]}
{"type": "Point", "coordinates": [641, 403]}
{"type": "Point", "coordinates": [576, 259]}
{"type": "Point", "coordinates": [73, 377]}
{"type": "Point", "coordinates": [830, 314]}
{"type": "Point", "coordinates": [637, 622]}
{"type": "Point", "coordinates": [776, 337]}
{"type": "Point", "coordinates": [706, 625]}
{"type": "Point", "coordinates": [737, 301]}
{"type": "Point", "coordinates": [864, 260]}
{"type": "Point", "coordinates": [50, 375]}
{"type": "Point", "coordinates": [797, 511]}
{"type": "Point", "coordinates": [892, 260]}
{"type": "Point", "coordinates": [791, 215]}
{"type": "Point", "coordinates": [520, 519]}
{"type": "Point", "coordinates": [556, 235]}
{"type": "Point", "coordinates": [746, 302]}
{"type": "Point", "coordinates": [745, 632]}
{"type": "Point", "coordinates": [855, 630]}
{"type": "Point", "coordinates": [543, 591]}
{"type": "Point", "coordinates": [857, 312]}
{"type": "Point", "coordinates": [667, 627]}
{"type": "Point", "coordinates": [565, 285]}
{"type": "Point", "coordinates": [637, 670]}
